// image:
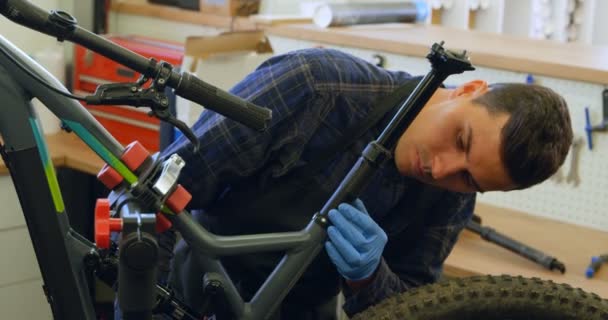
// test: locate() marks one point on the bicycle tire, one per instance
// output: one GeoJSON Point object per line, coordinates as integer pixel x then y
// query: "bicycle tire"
{"type": "Point", "coordinates": [491, 298]}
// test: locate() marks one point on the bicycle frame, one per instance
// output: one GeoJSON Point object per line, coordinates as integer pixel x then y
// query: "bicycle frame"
{"type": "Point", "coordinates": [61, 251]}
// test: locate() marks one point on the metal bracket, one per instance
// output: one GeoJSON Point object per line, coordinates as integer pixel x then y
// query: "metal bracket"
{"type": "Point", "coordinates": [169, 174]}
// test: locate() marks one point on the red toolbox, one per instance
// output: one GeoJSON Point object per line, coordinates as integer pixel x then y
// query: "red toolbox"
{"type": "Point", "coordinates": [125, 123]}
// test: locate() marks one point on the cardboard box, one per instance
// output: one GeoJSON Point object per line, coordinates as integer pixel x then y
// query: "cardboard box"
{"type": "Point", "coordinates": [222, 60]}
{"type": "Point", "coordinates": [184, 4]}
{"type": "Point", "coordinates": [230, 7]}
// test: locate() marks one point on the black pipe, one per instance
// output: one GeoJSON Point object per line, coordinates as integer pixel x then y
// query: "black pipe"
{"type": "Point", "coordinates": [444, 63]}
{"type": "Point", "coordinates": [515, 246]}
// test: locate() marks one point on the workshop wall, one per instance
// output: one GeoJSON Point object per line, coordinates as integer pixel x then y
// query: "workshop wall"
{"type": "Point", "coordinates": [559, 199]}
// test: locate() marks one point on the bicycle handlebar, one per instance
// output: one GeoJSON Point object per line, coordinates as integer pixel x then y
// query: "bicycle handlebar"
{"type": "Point", "coordinates": [63, 26]}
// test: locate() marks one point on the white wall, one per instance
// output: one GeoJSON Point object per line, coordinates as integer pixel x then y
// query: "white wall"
{"type": "Point", "coordinates": [28, 40]}
{"type": "Point", "coordinates": [21, 295]}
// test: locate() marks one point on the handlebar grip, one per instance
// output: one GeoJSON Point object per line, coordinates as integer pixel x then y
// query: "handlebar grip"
{"type": "Point", "coordinates": [225, 103]}
{"type": "Point", "coordinates": [27, 14]}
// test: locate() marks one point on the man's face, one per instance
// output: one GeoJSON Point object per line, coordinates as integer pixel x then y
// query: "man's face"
{"type": "Point", "coordinates": [455, 144]}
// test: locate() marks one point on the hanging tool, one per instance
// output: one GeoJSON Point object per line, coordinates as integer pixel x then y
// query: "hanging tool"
{"type": "Point", "coordinates": [603, 126]}
{"type": "Point", "coordinates": [596, 263]}
{"type": "Point", "coordinates": [573, 176]}
{"type": "Point", "coordinates": [515, 246]}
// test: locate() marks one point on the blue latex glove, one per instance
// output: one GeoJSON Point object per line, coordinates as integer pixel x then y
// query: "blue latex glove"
{"type": "Point", "coordinates": [355, 242]}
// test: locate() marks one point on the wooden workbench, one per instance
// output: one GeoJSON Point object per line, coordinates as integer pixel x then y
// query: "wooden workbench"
{"type": "Point", "coordinates": [571, 244]}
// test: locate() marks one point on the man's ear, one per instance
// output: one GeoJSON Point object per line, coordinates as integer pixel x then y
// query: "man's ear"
{"type": "Point", "coordinates": [472, 88]}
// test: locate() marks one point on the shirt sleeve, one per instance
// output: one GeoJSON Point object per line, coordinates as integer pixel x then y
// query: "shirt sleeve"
{"type": "Point", "coordinates": [411, 261]}
{"type": "Point", "coordinates": [229, 150]}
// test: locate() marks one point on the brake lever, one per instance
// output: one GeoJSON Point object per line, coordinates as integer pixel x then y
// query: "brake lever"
{"type": "Point", "coordinates": [133, 95]}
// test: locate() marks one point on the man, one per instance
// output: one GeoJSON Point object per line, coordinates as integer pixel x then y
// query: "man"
{"type": "Point", "coordinates": [473, 138]}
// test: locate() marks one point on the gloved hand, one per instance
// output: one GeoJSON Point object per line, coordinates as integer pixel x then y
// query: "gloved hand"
{"type": "Point", "coordinates": [355, 242]}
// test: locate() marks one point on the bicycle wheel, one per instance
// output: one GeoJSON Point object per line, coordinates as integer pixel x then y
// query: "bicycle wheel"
{"type": "Point", "coordinates": [491, 298]}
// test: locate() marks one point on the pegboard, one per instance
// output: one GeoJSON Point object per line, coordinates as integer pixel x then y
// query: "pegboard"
{"type": "Point", "coordinates": [585, 204]}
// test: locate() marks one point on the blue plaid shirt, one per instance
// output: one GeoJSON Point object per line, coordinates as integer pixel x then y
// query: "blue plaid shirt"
{"type": "Point", "coordinates": [315, 95]}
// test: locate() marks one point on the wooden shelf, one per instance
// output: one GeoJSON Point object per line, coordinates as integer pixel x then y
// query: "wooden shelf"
{"type": "Point", "coordinates": [500, 51]}
{"type": "Point", "coordinates": [142, 8]}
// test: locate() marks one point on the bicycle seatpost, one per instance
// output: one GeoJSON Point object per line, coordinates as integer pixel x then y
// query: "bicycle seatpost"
{"type": "Point", "coordinates": [444, 63]}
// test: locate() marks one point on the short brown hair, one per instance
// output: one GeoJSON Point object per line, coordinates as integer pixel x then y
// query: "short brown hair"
{"type": "Point", "coordinates": [536, 138]}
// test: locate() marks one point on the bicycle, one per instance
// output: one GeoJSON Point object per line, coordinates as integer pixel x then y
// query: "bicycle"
{"type": "Point", "coordinates": [146, 198]}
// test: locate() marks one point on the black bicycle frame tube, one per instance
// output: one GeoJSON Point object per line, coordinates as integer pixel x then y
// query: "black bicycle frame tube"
{"type": "Point", "coordinates": [64, 260]}
{"type": "Point", "coordinates": [59, 250]}
{"type": "Point", "coordinates": [68, 110]}
{"type": "Point", "coordinates": [207, 247]}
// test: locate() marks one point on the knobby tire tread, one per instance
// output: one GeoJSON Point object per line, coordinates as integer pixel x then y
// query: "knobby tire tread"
{"type": "Point", "coordinates": [491, 298]}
